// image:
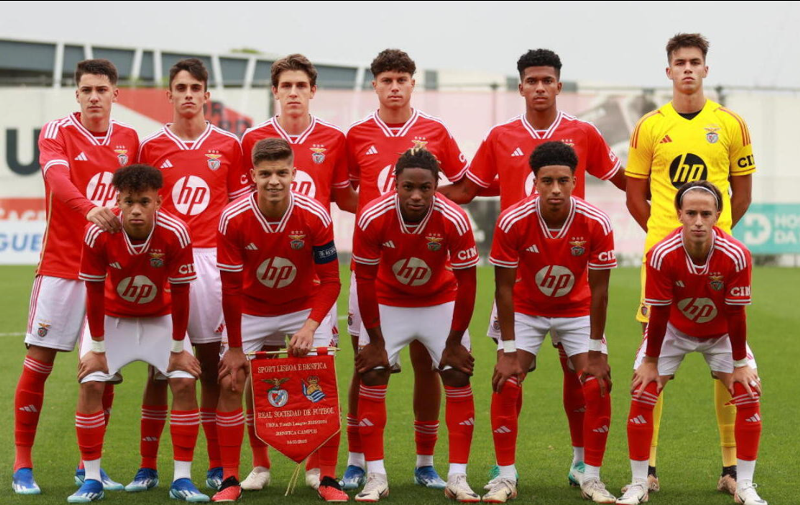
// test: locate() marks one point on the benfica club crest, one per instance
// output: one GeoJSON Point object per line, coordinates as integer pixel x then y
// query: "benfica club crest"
{"type": "Point", "coordinates": [43, 329]}
{"type": "Point", "coordinates": [712, 134]}
{"type": "Point", "coordinates": [122, 155]}
{"type": "Point", "coordinates": [569, 142]}
{"type": "Point", "coordinates": [213, 160]}
{"type": "Point", "coordinates": [297, 241]}
{"type": "Point", "coordinates": [716, 281]}
{"type": "Point", "coordinates": [156, 259]}
{"type": "Point", "coordinates": [276, 396]}
{"type": "Point", "coordinates": [434, 243]}
{"type": "Point", "coordinates": [318, 154]}
{"type": "Point", "coordinates": [577, 248]}
{"type": "Point", "coordinates": [312, 390]}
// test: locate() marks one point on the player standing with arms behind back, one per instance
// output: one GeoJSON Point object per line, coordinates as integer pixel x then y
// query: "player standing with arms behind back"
{"type": "Point", "coordinates": [202, 169]}
{"type": "Point", "coordinates": [373, 145]}
{"type": "Point", "coordinates": [698, 284]}
{"type": "Point", "coordinates": [689, 139]}
{"type": "Point", "coordinates": [78, 155]}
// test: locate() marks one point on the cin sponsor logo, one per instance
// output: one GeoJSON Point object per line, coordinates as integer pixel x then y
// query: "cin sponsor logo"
{"type": "Point", "coordinates": [468, 254]}
{"type": "Point", "coordinates": [137, 289]}
{"type": "Point", "coordinates": [191, 195]}
{"type": "Point", "coordinates": [607, 256]}
{"type": "Point", "coordinates": [740, 291]}
{"type": "Point", "coordinates": [746, 161]}
{"type": "Point", "coordinates": [699, 310]}
{"type": "Point", "coordinates": [276, 272]}
{"type": "Point", "coordinates": [555, 281]}
{"type": "Point", "coordinates": [687, 168]}
{"type": "Point", "coordinates": [186, 269]}
{"type": "Point", "coordinates": [412, 271]}
{"type": "Point", "coordinates": [304, 184]}
{"type": "Point", "coordinates": [100, 191]}
{"type": "Point", "coordinates": [386, 179]}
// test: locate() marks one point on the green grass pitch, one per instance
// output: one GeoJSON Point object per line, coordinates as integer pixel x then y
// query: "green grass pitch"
{"type": "Point", "coordinates": [689, 456]}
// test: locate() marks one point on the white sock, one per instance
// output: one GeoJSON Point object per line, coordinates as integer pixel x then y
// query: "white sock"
{"type": "Point", "coordinates": [356, 459]}
{"type": "Point", "coordinates": [183, 470]}
{"type": "Point", "coordinates": [424, 460]}
{"type": "Point", "coordinates": [591, 472]}
{"type": "Point", "coordinates": [92, 469]}
{"type": "Point", "coordinates": [456, 468]}
{"type": "Point", "coordinates": [577, 455]}
{"type": "Point", "coordinates": [508, 472]}
{"type": "Point", "coordinates": [744, 470]}
{"type": "Point", "coordinates": [376, 467]}
{"type": "Point", "coordinates": [639, 470]}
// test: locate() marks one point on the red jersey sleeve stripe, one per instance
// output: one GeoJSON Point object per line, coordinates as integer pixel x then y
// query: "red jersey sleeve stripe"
{"type": "Point", "coordinates": [733, 251]}
{"type": "Point", "coordinates": [515, 214]}
{"type": "Point", "coordinates": [366, 261]}
{"type": "Point", "coordinates": [468, 264]}
{"type": "Point", "coordinates": [232, 211]}
{"type": "Point", "coordinates": [453, 215]}
{"type": "Point", "coordinates": [596, 214]}
{"type": "Point", "coordinates": [657, 303]}
{"type": "Point", "coordinates": [314, 207]}
{"type": "Point", "coordinates": [92, 233]}
{"type": "Point", "coordinates": [53, 163]}
{"type": "Point", "coordinates": [181, 280]}
{"type": "Point", "coordinates": [505, 264]}
{"type": "Point", "coordinates": [661, 250]}
{"type": "Point", "coordinates": [91, 278]}
{"type": "Point", "coordinates": [375, 210]}
{"type": "Point", "coordinates": [602, 266]}
{"type": "Point", "coordinates": [477, 180]}
{"type": "Point", "coordinates": [230, 268]}
{"type": "Point", "coordinates": [177, 227]}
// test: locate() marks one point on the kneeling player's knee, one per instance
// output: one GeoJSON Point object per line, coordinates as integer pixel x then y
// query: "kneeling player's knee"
{"type": "Point", "coordinates": [454, 378]}
{"type": "Point", "coordinates": [93, 388]}
{"type": "Point", "coordinates": [375, 377]}
{"type": "Point", "coordinates": [182, 388]}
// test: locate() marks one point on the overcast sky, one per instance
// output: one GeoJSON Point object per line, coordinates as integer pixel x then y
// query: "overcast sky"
{"type": "Point", "coordinates": [752, 43]}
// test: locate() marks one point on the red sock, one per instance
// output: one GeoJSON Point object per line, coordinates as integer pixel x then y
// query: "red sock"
{"type": "Point", "coordinates": [209, 419]}
{"type": "Point", "coordinates": [505, 421]}
{"type": "Point", "coordinates": [91, 428]}
{"type": "Point", "coordinates": [574, 402]}
{"type": "Point", "coordinates": [230, 428]}
{"type": "Point", "coordinates": [260, 449]}
{"type": "Point", "coordinates": [312, 461]}
{"type": "Point", "coordinates": [426, 433]}
{"type": "Point", "coordinates": [353, 436]}
{"type": "Point", "coordinates": [108, 401]}
{"type": "Point", "coordinates": [184, 426]}
{"type": "Point", "coordinates": [27, 407]}
{"type": "Point", "coordinates": [748, 423]}
{"type": "Point", "coordinates": [596, 423]}
{"type": "Point", "coordinates": [327, 456]}
{"type": "Point", "coordinates": [640, 423]}
{"type": "Point", "coordinates": [460, 419]}
{"type": "Point", "coordinates": [372, 420]}
{"type": "Point", "coordinates": [154, 417]}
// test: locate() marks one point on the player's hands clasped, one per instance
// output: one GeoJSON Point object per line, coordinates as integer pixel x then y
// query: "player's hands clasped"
{"type": "Point", "coordinates": [184, 362]}
{"type": "Point", "coordinates": [92, 362]}
{"type": "Point", "coordinates": [507, 366]}
{"type": "Point", "coordinates": [458, 357]}
{"type": "Point", "coordinates": [105, 219]}
{"type": "Point", "coordinates": [235, 363]}
{"type": "Point", "coordinates": [644, 375]}
{"type": "Point", "coordinates": [597, 366]}
{"type": "Point", "coordinates": [747, 376]}
{"type": "Point", "coordinates": [301, 342]}
{"type": "Point", "coordinates": [370, 357]}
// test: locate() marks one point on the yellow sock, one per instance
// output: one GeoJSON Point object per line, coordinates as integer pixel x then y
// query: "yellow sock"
{"type": "Point", "coordinates": [726, 419]}
{"type": "Point", "coordinates": [656, 427]}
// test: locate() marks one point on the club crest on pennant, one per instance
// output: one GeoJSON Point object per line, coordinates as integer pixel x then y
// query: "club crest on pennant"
{"type": "Point", "coordinates": [122, 155]}
{"type": "Point", "coordinates": [577, 248]}
{"type": "Point", "coordinates": [717, 281]}
{"type": "Point", "coordinates": [213, 160]}
{"type": "Point", "coordinates": [43, 329]}
{"type": "Point", "coordinates": [434, 243]}
{"type": "Point", "coordinates": [277, 396]}
{"type": "Point", "coordinates": [318, 154]}
{"type": "Point", "coordinates": [156, 259]}
{"type": "Point", "coordinates": [297, 241]}
{"type": "Point", "coordinates": [312, 390]}
{"type": "Point", "coordinates": [712, 134]}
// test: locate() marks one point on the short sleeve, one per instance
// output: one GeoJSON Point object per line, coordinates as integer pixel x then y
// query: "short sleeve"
{"type": "Point", "coordinates": [483, 169]}
{"type": "Point", "coordinates": [366, 241]}
{"type": "Point", "coordinates": [229, 254]}
{"type": "Point", "coordinates": [602, 162]}
{"type": "Point", "coordinates": [341, 176]}
{"type": "Point", "coordinates": [181, 262]}
{"type": "Point", "coordinates": [238, 175]}
{"type": "Point", "coordinates": [658, 286]}
{"type": "Point", "coordinates": [602, 255]}
{"type": "Point", "coordinates": [454, 163]}
{"type": "Point", "coordinates": [461, 244]}
{"type": "Point", "coordinates": [353, 170]}
{"type": "Point", "coordinates": [52, 148]}
{"type": "Point", "coordinates": [505, 252]}
{"type": "Point", "coordinates": [739, 282]}
{"type": "Point", "coordinates": [93, 256]}
{"type": "Point", "coordinates": [640, 153]}
{"type": "Point", "coordinates": [741, 147]}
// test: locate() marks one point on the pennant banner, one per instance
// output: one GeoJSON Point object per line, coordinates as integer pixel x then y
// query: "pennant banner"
{"type": "Point", "coordinates": [296, 402]}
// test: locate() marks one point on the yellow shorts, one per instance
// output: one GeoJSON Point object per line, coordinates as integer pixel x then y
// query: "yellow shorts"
{"type": "Point", "coordinates": [643, 312]}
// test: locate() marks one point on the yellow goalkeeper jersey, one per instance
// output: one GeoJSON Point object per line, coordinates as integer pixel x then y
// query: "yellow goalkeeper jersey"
{"type": "Point", "coordinates": [671, 150]}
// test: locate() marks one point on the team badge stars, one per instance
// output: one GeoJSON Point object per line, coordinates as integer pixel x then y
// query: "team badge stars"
{"type": "Point", "coordinates": [277, 397]}
{"type": "Point", "coordinates": [712, 134]}
{"type": "Point", "coordinates": [312, 390]}
{"type": "Point", "coordinates": [297, 240]}
{"type": "Point", "coordinates": [577, 244]}
{"type": "Point", "coordinates": [214, 160]}
{"type": "Point", "coordinates": [434, 242]}
{"type": "Point", "coordinates": [569, 142]}
{"type": "Point", "coordinates": [717, 281]}
{"type": "Point", "coordinates": [318, 153]}
{"type": "Point", "coordinates": [122, 155]}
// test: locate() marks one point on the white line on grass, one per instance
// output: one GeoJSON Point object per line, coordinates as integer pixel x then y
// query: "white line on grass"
{"type": "Point", "coordinates": [12, 334]}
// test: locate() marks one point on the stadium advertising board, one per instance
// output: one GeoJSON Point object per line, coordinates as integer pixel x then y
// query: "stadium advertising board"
{"type": "Point", "coordinates": [771, 228]}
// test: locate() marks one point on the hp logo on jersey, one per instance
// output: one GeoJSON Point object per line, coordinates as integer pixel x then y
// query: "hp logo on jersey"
{"type": "Point", "coordinates": [276, 273]}
{"type": "Point", "coordinates": [412, 271]}
{"type": "Point", "coordinates": [699, 310]}
{"type": "Point", "coordinates": [304, 184]}
{"type": "Point", "coordinates": [139, 289]}
{"type": "Point", "coordinates": [687, 168]}
{"type": "Point", "coordinates": [191, 195]}
{"type": "Point", "coordinates": [100, 191]}
{"type": "Point", "coordinates": [555, 281]}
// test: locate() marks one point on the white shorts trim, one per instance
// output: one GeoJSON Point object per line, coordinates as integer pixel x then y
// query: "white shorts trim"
{"type": "Point", "coordinates": [403, 325]}
{"type": "Point", "coordinates": [571, 332]}
{"type": "Point", "coordinates": [205, 299]}
{"type": "Point", "coordinates": [57, 313]}
{"type": "Point", "coordinates": [716, 351]}
{"type": "Point", "coordinates": [259, 331]}
{"type": "Point", "coordinates": [130, 339]}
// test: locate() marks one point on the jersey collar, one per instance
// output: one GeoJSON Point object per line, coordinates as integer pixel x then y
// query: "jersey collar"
{"type": "Point", "coordinates": [536, 133]}
{"type": "Point", "coordinates": [421, 226]}
{"type": "Point", "coordinates": [182, 145]}
{"type": "Point", "coordinates": [135, 250]}
{"type": "Point", "coordinates": [268, 228]}
{"type": "Point", "coordinates": [403, 131]}
{"type": "Point", "coordinates": [300, 138]}
{"type": "Point", "coordinates": [76, 122]}
{"type": "Point", "coordinates": [564, 228]}
{"type": "Point", "coordinates": [671, 109]}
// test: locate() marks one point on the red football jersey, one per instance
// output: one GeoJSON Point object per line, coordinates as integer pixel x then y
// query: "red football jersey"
{"type": "Point", "coordinates": [319, 156]}
{"type": "Point", "coordinates": [200, 177]}
{"type": "Point", "coordinates": [416, 262]}
{"type": "Point", "coordinates": [373, 148]}
{"type": "Point", "coordinates": [698, 293]}
{"type": "Point", "coordinates": [91, 162]}
{"type": "Point", "coordinates": [136, 275]}
{"type": "Point", "coordinates": [507, 147]}
{"type": "Point", "coordinates": [552, 276]}
{"type": "Point", "coordinates": [277, 258]}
